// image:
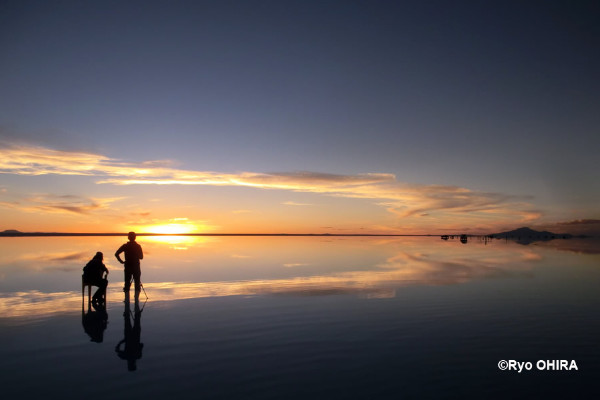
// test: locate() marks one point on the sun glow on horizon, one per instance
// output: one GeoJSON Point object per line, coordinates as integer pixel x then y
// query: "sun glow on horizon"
{"type": "Point", "coordinates": [177, 226]}
{"type": "Point", "coordinates": [174, 231]}
{"type": "Point", "coordinates": [174, 226]}
{"type": "Point", "coordinates": [171, 229]}
{"type": "Point", "coordinates": [176, 242]}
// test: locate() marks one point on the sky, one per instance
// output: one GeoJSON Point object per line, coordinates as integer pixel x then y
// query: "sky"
{"type": "Point", "coordinates": [299, 116]}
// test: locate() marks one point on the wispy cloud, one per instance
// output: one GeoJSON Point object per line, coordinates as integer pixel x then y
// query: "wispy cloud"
{"type": "Point", "coordinates": [25, 160]}
{"type": "Point", "coordinates": [293, 203]}
{"type": "Point", "coordinates": [402, 199]}
{"type": "Point", "coordinates": [588, 226]}
{"type": "Point", "coordinates": [581, 222]}
{"type": "Point", "coordinates": [69, 203]}
{"type": "Point", "coordinates": [52, 203]}
{"type": "Point", "coordinates": [141, 214]}
{"type": "Point", "coordinates": [292, 265]}
{"type": "Point", "coordinates": [31, 160]}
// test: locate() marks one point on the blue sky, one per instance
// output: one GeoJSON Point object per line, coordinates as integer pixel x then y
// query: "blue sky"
{"type": "Point", "coordinates": [498, 98]}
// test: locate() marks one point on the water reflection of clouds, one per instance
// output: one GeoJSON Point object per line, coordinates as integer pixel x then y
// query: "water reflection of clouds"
{"type": "Point", "coordinates": [56, 257]}
{"type": "Point", "coordinates": [36, 304]}
{"type": "Point", "coordinates": [380, 281]}
{"type": "Point", "coordinates": [218, 267]}
{"type": "Point", "coordinates": [575, 245]}
{"type": "Point", "coordinates": [61, 257]}
{"type": "Point", "coordinates": [423, 269]}
{"type": "Point", "coordinates": [48, 262]}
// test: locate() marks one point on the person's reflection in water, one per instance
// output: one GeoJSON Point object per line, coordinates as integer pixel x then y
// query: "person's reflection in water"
{"type": "Point", "coordinates": [95, 321]}
{"type": "Point", "coordinates": [130, 348]}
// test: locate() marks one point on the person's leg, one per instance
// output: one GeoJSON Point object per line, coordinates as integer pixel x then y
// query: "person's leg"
{"type": "Point", "coordinates": [137, 274]}
{"type": "Point", "coordinates": [128, 275]}
{"type": "Point", "coordinates": [103, 284]}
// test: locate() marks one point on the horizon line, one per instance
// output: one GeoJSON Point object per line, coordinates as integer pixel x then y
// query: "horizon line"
{"type": "Point", "coordinates": [17, 234]}
{"type": "Point", "coordinates": [110, 234]}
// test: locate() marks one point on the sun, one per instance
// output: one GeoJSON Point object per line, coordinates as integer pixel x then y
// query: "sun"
{"type": "Point", "coordinates": [171, 229]}
{"type": "Point", "coordinates": [175, 226]}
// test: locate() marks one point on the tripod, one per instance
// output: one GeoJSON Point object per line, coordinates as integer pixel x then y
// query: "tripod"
{"type": "Point", "coordinates": [141, 285]}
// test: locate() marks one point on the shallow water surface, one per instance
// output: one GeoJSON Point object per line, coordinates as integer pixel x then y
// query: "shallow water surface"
{"type": "Point", "coordinates": [300, 317]}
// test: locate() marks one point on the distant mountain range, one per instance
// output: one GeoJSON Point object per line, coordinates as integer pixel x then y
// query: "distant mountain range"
{"type": "Point", "coordinates": [525, 231]}
{"type": "Point", "coordinates": [16, 233]}
{"type": "Point", "coordinates": [528, 235]}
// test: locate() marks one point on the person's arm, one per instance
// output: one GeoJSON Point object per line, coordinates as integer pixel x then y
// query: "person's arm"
{"type": "Point", "coordinates": [141, 252]}
{"type": "Point", "coordinates": [105, 270]}
{"type": "Point", "coordinates": [117, 254]}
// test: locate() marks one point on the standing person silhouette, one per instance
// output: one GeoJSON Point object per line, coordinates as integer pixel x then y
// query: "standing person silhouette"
{"type": "Point", "coordinates": [133, 255]}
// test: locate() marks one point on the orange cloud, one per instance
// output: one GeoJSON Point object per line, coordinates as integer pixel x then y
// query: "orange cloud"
{"type": "Point", "coordinates": [51, 203]}
{"type": "Point", "coordinates": [293, 203]}
{"type": "Point", "coordinates": [402, 199]}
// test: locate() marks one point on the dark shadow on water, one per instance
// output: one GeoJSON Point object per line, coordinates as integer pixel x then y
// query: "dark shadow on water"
{"type": "Point", "coordinates": [95, 320]}
{"type": "Point", "coordinates": [130, 347]}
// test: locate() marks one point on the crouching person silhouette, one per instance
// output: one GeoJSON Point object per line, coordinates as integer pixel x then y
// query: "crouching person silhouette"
{"type": "Point", "coordinates": [133, 255]}
{"type": "Point", "coordinates": [94, 274]}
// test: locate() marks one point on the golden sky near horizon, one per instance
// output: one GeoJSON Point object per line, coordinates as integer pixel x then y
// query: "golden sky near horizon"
{"type": "Point", "coordinates": [156, 196]}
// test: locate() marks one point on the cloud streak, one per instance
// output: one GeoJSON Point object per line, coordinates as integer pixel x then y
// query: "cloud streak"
{"type": "Point", "coordinates": [51, 203]}
{"type": "Point", "coordinates": [402, 199]}
{"type": "Point", "coordinates": [580, 222]}
{"type": "Point", "coordinates": [293, 203]}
